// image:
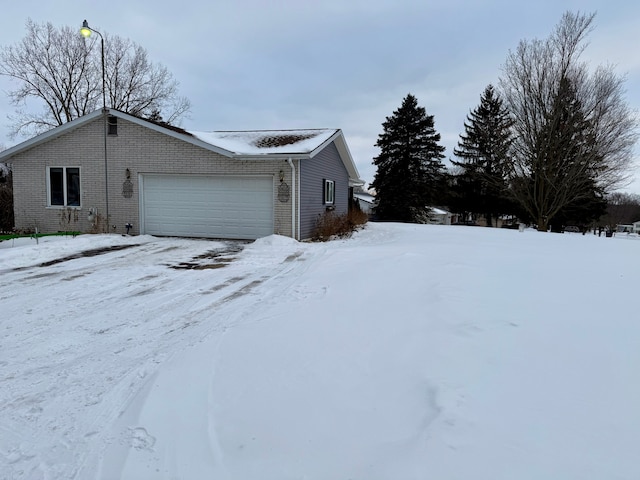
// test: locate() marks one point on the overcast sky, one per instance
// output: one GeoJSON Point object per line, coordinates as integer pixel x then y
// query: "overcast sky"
{"type": "Point", "coordinates": [279, 64]}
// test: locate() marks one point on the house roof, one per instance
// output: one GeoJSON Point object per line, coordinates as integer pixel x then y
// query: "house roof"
{"type": "Point", "coordinates": [246, 145]}
{"type": "Point", "coordinates": [439, 211]}
{"type": "Point", "coordinates": [268, 142]}
{"type": "Point", "coordinates": [365, 197]}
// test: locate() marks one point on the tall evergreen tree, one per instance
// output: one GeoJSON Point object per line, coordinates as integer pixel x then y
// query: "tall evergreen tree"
{"type": "Point", "coordinates": [410, 170]}
{"type": "Point", "coordinates": [481, 183]}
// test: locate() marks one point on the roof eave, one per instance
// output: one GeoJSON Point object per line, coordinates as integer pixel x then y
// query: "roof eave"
{"type": "Point", "coordinates": [345, 156]}
{"type": "Point", "coordinates": [55, 132]}
{"type": "Point", "coordinates": [171, 133]}
{"type": "Point", "coordinates": [272, 156]}
{"type": "Point", "coordinates": [78, 122]}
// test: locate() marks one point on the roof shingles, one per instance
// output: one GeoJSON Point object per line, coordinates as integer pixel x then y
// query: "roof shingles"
{"type": "Point", "coordinates": [260, 142]}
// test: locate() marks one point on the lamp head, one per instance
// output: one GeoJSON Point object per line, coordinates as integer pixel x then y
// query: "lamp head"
{"type": "Point", "coordinates": [85, 31]}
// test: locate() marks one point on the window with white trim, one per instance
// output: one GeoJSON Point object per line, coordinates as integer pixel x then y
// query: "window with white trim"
{"type": "Point", "coordinates": [329, 192]}
{"type": "Point", "coordinates": [63, 185]}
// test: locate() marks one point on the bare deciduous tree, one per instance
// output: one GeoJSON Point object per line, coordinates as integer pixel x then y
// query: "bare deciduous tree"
{"type": "Point", "coordinates": [137, 86]}
{"type": "Point", "coordinates": [574, 133]}
{"type": "Point", "coordinates": [62, 69]}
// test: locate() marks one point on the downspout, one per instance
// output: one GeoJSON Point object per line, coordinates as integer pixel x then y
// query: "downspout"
{"type": "Point", "coordinates": [293, 199]}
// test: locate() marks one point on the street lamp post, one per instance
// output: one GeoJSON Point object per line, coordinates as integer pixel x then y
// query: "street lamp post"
{"type": "Point", "coordinates": [86, 32]}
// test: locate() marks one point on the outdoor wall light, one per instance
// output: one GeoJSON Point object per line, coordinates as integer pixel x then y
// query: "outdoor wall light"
{"type": "Point", "coordinates": [127, 173]}
{"type": "Point", "coordinates": [281, 176]}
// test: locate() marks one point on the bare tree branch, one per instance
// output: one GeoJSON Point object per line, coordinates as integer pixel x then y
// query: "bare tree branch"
{"type": "Point", "coordinates": [574, 133]}
{"type": "Point", "coordinates": [60, 69]}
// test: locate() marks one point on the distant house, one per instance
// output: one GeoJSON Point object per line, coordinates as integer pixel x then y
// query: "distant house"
{"type": "Point", "coordinates": [439, 216]}
{"type": "Point", "coordinates": [156, 179]}
{"type": "Point", "coordinates": [366, 201]}
{"type": "Point", "coordinates": [636, 227]}
{"type": "Point", "coordinates": [621, 228]}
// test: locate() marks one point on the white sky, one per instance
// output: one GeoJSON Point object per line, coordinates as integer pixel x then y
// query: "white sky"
{"type": "Point", "coordinates": [258, 64]}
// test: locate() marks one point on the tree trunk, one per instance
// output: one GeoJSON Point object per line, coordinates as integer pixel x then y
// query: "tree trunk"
{"type": "Point", "coordinates": [489, 220]}
{"type": "Point", "coordinates": [543, 224]}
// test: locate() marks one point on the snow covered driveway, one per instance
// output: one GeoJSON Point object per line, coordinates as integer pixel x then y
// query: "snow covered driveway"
{"type": "Point", "coordinates": [407, 352]}
{"type": "Point", "coordinates": [84, 322]}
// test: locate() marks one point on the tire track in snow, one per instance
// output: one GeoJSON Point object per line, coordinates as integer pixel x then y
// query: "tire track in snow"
{"type": "Point", "coordinates": [102, 347]}
{"type": "Point", "coordinates": [231, 310]}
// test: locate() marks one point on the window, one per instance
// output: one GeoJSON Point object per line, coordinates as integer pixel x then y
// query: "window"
{"type": "Point", "coordinates": [112, 125]}
{"type": "Point", "coordinates": [329, 191]}
{"type": "Point", "coordinates": [64, 186]}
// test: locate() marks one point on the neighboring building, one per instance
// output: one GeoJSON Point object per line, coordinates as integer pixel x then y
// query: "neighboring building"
{"type": "Point", "coordinates": [162, 180]}
{"type": "Point", "coordinates": [636, 227]}
{"type": "Point", "coordinates": [439, 216]}
{"type": "Point", "coordinates": [626, 228]}
{"type": "Point", "coordinates": [366, 201]}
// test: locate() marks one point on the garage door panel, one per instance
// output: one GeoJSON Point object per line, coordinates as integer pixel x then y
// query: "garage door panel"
{"type": "Point", "coordinates": [208, 206]}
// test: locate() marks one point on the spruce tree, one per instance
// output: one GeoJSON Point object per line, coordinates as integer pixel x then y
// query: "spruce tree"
{"type": "Point", "coordinates": [409, 168]}
{"type": "Point", "coordinates": [481, 184]}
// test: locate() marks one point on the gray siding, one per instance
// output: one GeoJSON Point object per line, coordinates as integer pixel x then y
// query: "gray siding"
{"type": "Point", "coordinates": [137, 148]}
{"type": "Point", "coordinates": [325, 165]}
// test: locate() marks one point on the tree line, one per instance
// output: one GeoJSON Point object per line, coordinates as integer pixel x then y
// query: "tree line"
{"type": "Point", "coordinates": [547, 146]}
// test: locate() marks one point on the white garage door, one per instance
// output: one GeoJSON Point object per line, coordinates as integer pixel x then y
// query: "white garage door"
{"type": "Point", "coordinates": [207, 206]}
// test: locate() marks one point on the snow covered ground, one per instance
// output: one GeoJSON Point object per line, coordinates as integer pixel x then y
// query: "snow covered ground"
{"type": "Point", "coordinates": [406, 352]}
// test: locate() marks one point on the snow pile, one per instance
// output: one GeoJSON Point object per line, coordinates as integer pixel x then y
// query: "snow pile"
{"type": "Point", "coordinates": [408, 351]}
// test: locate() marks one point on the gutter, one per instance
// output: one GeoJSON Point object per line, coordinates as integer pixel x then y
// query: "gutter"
{"type": "Point", "coordinates": [293, 198]}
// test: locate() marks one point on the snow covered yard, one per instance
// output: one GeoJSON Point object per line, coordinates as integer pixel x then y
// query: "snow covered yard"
{"type": "Point", "coordinates": [406, 352]}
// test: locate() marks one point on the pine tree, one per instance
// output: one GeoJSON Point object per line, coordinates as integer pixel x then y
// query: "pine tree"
{"type": "Point", "coordinates": [482, 183]}
{"type": "Point", "coordinates": [410, 170]}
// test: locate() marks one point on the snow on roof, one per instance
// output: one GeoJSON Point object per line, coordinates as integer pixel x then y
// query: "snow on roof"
{"type": "Point", "coordinates": [367, 197]}
{"type": "Point", "coordinates": [262, 142]}
{"type": "Point", "coordinates": [439, 211]}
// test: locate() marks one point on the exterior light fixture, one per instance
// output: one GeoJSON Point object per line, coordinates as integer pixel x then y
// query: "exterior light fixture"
{"type": "Point", "coordinates": [85, 31]}
{"type": "Point", "coordinates": [281, 176]}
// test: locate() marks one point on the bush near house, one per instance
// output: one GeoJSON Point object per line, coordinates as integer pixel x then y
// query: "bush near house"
{"type": "Point", "coordinates": [330, 225]}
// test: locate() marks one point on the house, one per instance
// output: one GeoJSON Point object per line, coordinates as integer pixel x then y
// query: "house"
{"type": "Point", "coordinates": [109, 170]}
{"type": "Point", "coordinates": [636, 227]}
{"type": "Point", "coordinates": [438, 216]}
{"type": "Point", "coordinates": [366, 201]}
{"type": "Point", "coordinates": [621, 228]}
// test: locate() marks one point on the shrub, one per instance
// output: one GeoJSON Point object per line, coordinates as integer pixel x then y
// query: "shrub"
{"type": "Point", "coordinates": [357, 217]}
{"type": "Point", "coordinates": [330, 226]}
